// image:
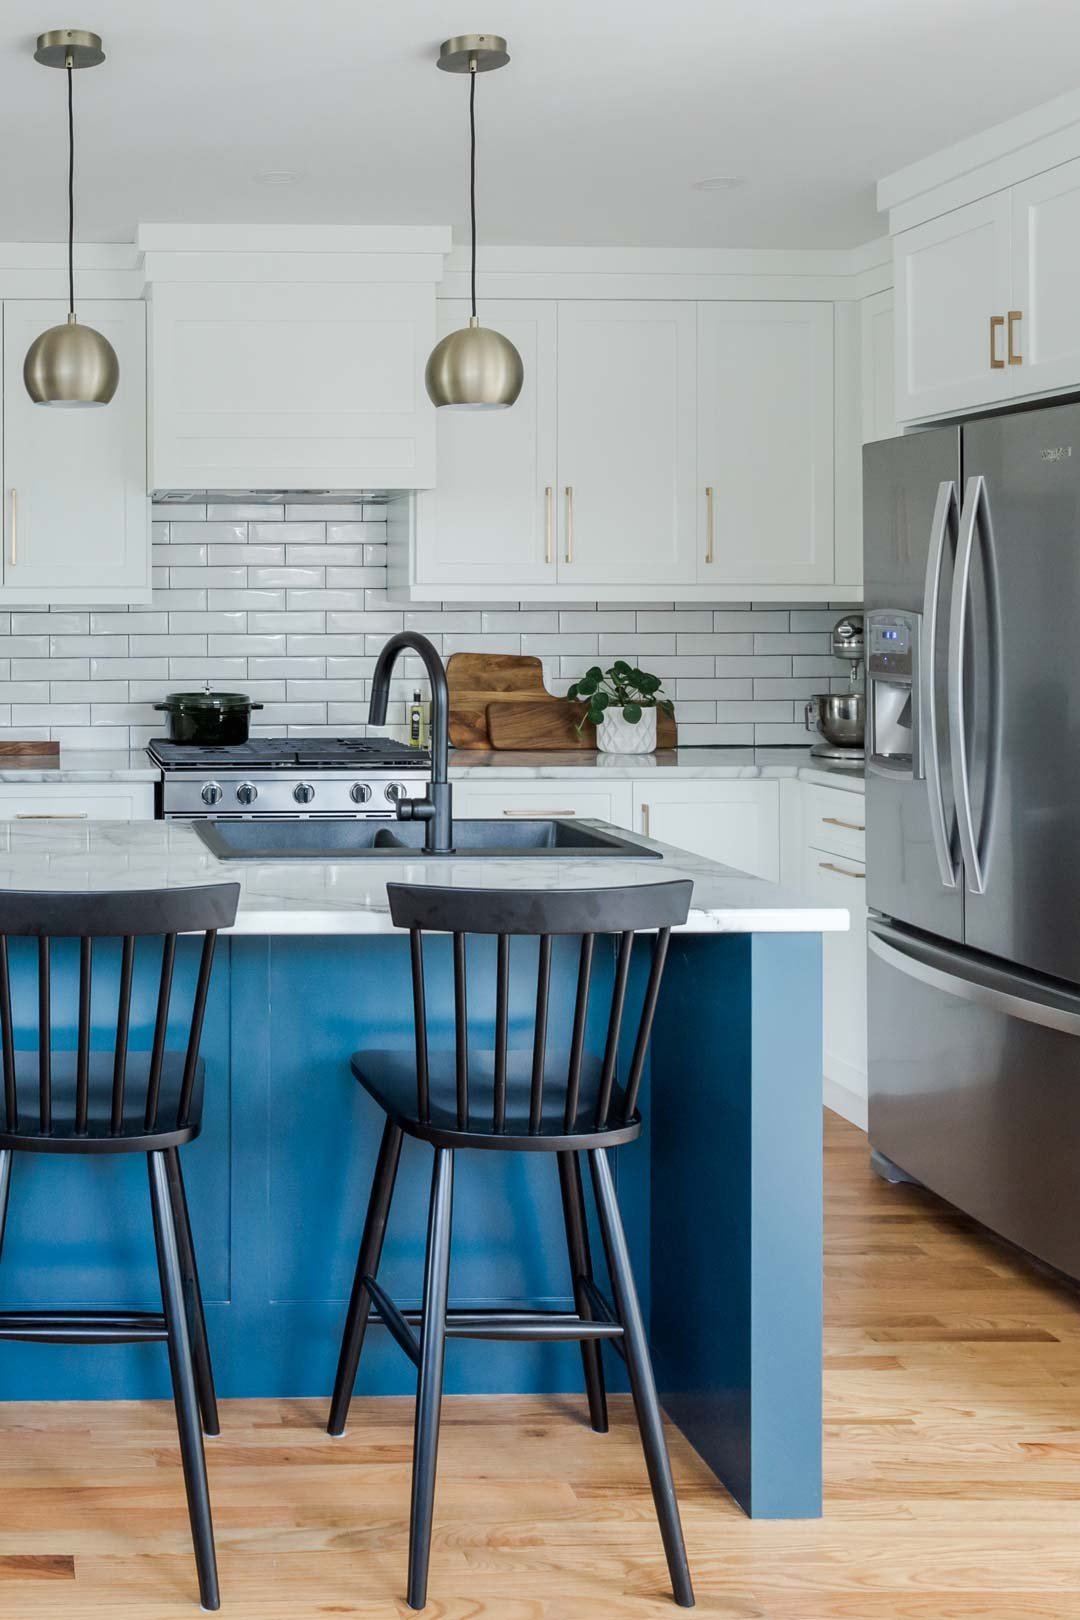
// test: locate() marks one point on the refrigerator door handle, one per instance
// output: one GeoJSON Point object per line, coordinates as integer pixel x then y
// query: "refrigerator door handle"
{"type": "Point", "coordinates": [946, 519]}
{"type": "Point", "coordinates": [979, 984]}
{"type": "Point", "coordinates": [974, 520]}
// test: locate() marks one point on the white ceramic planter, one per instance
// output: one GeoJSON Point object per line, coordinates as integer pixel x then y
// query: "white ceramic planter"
{"type": "Point", "coordinates": [614, 735]}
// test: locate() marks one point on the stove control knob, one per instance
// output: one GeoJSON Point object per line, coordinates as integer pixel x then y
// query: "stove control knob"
{"type": "Point", "coordinates": [394, 791]}
{"type": "Point", "coordinates": [211, 793]}
{"type": "Point", "coordinates": [303, 792]}
{"type": "Point", "coordinates": [359, 793]}
{"type": "Point", "coordinates": [247, 793]}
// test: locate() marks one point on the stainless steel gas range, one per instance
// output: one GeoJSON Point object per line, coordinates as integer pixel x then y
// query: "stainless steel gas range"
{"type": "Point", "coordinates": [354, 777]}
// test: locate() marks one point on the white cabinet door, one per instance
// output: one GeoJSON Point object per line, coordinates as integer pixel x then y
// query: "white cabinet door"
{"type": "Point", "coordinates": [735, 822]}
{"type": "Point", "coordinates": [627, 402]}
{"type": "Point", "coordinates": [765, 443]}
{"type": "Point", "coordinates": [546, 799]}
{"type": "Point", "coordinates": [878, 365]}
{"type": "Point", "coordinates": [1046, 274]}
{"type": "Point", "coordinates": [490, 520]}
{"type": "Point", "coordinates": [288, 386]}
{"type": "Point", "coordinates": [840, 880]}
{"type": "Point", "coordinates": [75, 802]}
{"type": "Point", "coordinates": [952, 279]}
{"type": "Point", "coordinates": [76, 524]}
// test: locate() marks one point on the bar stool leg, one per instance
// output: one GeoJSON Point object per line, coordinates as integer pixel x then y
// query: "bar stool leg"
{"type": "Point", "coordinates": [577, 1243]}
{"type": "Point", "coordinates": [5, 1191]}
{"type": "Point", "coordinates": [642, 1381]}
{"type": "Point", "coordinates": [183, 1380]}
{"type": "Point", "coordinates": [430, 1383]}
{"type": "Point", "coordinates": [367, 1265]}
{"type": "Point", "coordinates": [200, 1344]}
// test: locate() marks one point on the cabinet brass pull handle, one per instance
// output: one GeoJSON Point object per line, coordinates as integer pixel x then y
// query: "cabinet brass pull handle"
{"type": "Point", "coordinates": [849, 826]}
{"type": "Point", "coordinates": [645, 820]}
{"type": "Point", "coordinates": [1015, 359]}
{"type": "Point", "coordinates": [996, 322]}
{"type": "Point", "coordinates": [14, 529]}
{"type": "Point", "coordinates": [569, 523]}
{"type": "Point", "coordinates": [548, 494]}
{"type": "Point", "coordinates": [52, 815]}
{"type": "Point", "coordinates": [841, 871]}
{"type": "Point", "coordinates": [708, 523]}
{"type": "Point", "coordinates": [532, 814]}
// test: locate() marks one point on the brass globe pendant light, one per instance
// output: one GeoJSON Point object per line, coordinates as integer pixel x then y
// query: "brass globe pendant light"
{"type": "Point", "coordinates": [70, 365]}
{"type": "Point", "coordinates": [475, 368]}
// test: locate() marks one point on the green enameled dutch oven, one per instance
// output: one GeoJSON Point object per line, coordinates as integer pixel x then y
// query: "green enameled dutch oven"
{"type": "Point", "coordinates": [208, 717]}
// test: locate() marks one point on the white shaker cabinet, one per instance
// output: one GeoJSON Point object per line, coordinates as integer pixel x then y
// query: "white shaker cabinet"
{"type": "Point", "coordinates": [735, 822]}
{"type": "Point", "coordinates": [76, 524]}
{"type": "Point", "coordinates": [953, 286]}
{"type": "Point", "coordinates": [76, 802]}
{"type": "Point", "coordinates": [1045, 275]}
{"type": "Point", "coordinates": [626, 443]}
{"type": "Point", "coordinates": [877, 367]}
{"type": "Point", "coordinates": [546, 799]}
{"type": "Point", "coordinates": [490, 520]}
{"type": "Point", "coordinates": [285, 385]}
{"type": "Point", "coordinates": [765, 444]}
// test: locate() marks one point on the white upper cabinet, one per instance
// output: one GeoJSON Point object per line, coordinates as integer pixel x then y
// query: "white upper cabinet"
{"type": "Point", "coordinates": [76, 524]}
{"type": "Point", "coordinates": [626, 443]}
{"type": "Point", "coordinates": [953, 277]}
{"type": "Point", "coordinates": [287, 385]}
{"type": "Point", "coordinates": [878, 369]}
{"type": "Point", "coordinates": [765, 444]}
{"type": "Point", "coordinates": [1045, 277]}
{"type": "Point", "coordinates": [491, 517]}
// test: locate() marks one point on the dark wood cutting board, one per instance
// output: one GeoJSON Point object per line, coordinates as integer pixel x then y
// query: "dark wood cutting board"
{"type": "Point", "coordinates": [499, 700]}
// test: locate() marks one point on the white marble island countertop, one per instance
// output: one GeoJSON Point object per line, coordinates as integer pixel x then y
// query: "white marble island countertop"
{"type": "Point", "coordinates": [349, 896]}
{"type": "Point", "coordinates": [500, 764]}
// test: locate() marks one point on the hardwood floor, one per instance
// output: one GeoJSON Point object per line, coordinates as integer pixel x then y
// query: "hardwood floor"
{"type": "Point", "coordinates": [952, 1463]}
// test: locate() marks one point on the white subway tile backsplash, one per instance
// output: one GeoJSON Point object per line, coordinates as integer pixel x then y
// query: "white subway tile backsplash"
{"type": "Point", "coordinates": [288, 603]}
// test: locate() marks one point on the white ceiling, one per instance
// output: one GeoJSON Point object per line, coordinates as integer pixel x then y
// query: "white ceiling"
{"type": "Point", "coordinates": [607, 112]}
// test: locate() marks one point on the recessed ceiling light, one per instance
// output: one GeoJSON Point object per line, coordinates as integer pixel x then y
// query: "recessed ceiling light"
{"type": "Point", "coordinates": [717, 182]}
{"type": "Point", "coordinates": [278, 177]}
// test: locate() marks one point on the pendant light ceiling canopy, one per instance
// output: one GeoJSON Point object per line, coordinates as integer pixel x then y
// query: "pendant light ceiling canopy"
{"type": "Point", "coordinates": [474, 368]}
{"type": "Point", "coordinates": [70, 365]}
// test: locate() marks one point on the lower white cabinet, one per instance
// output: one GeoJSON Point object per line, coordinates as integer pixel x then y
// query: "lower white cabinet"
{"type": "Point", "coordinates": [547, 799]}
{"type": "Point", "coordinates": [77, 801]}
{"type": "Point", "coordinates": [735, 822]}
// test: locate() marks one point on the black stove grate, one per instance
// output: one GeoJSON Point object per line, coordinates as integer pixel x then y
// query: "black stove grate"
{"type": "Point", "coordinates": [290, 753]}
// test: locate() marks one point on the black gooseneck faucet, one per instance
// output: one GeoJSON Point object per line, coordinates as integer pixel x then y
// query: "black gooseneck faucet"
{"type": "Point", "coordinates": [436, 809]}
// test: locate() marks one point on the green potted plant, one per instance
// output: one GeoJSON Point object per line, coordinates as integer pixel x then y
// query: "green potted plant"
{"type": "Point", "coordinates": [621, 703]}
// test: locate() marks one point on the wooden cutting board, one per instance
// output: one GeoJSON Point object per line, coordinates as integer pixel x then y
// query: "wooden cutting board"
{"type": "Point", "coordinates": [498, 700]}
{"type": "Point", "coordinates": [554, 725]}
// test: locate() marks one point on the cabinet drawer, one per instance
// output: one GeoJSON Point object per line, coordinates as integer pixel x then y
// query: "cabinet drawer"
{"type": "Point", "coordinates": [829, 865]}
{"type": "Point", "coordinates": [107, 801]}
{"type": "Point", "coordinates": [546, 799]}
{"type": "Point", "coordinates": [835, 821]}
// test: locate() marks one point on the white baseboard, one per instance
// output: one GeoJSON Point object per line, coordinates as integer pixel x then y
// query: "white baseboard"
{"type": "Point", "coordinates": [844, 1100]}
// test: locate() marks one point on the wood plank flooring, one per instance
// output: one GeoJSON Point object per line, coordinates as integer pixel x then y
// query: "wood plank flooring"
{"type": "Point", "coordinates": [952, 1461]}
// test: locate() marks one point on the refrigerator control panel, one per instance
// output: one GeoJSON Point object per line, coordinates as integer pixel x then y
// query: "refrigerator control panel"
{"type": "Point", "coordinates": [890, 644]}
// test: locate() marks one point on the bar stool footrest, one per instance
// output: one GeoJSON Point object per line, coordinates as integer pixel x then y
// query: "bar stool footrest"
{"type": "Point", "coordinates": [83, 1327]}
{"type": "Point", "coordinates": [537, 1326]}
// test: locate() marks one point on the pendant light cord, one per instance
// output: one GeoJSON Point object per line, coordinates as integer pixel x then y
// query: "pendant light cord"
{"type": "Point", "coordinates": [472, 177]}
{"type": "Point", "coordinates": [71, 196]}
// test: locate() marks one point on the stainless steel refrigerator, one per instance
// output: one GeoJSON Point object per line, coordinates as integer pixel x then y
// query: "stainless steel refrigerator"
{"type": "Point", "coordinates": [972, 570]}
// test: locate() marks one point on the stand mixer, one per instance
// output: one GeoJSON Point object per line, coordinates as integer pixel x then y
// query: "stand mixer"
{"type": "Point", "coordinates": [840, 717]}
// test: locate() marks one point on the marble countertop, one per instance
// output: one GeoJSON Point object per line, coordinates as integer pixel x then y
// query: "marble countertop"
{"type": "Point", "coordinates": [81, 765]}
{"type": "Point", "coordinates": [499, 764]}
{"type": "Point", "coordinates": [349, 897]}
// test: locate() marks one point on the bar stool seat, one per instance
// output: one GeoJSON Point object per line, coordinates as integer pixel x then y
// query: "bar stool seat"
{"type": "Point", "coordinates": [133, 1136]}
{"type": "Point", "coordinates": [389, 1078]}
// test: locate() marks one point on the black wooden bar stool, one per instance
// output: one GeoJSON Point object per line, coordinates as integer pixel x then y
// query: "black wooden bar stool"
{"type": "Point", "coordinates": [534, 1100]}
{"type": "Point", "coordinates": [120, 1100]}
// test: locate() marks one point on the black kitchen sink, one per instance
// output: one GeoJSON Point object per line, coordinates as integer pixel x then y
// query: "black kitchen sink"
{"type": "Point", "coordinates": [336, 840]}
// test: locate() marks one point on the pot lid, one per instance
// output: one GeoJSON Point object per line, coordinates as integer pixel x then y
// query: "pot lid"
{"type": "Point", "coordinates": [208, 701]}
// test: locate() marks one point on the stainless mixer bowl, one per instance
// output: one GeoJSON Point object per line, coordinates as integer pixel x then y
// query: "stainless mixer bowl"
{"type": "Point", "coordinates": [840, 717]}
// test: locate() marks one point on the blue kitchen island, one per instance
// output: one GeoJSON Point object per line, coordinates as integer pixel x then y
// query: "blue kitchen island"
{"type": "Point", "coordinates": [721, 1197]}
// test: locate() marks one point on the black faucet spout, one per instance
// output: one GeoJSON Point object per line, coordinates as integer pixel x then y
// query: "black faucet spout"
{"type": "Point", "coordinates": [436, 809]}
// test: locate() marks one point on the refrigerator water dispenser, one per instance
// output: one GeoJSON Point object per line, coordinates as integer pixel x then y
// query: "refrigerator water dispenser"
{"type": "Point", "coordinates": [892, 670]}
